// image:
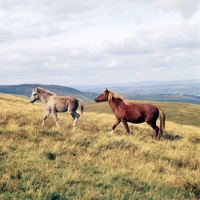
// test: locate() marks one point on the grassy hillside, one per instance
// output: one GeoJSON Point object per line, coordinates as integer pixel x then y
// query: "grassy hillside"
{"type": "Point", "coordinates": [88, 163]}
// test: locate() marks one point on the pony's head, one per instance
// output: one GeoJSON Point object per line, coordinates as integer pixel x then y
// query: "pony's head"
{"type": "Point", "coordinates": [107, 95]}
{"type": "Point", "coordinates": [36, 94]}
{"type": "Point", "coordinates": [103, 96]}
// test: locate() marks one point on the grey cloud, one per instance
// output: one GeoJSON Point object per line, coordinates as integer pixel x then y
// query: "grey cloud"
{"type": "Point", "coordinates": [186, 8]}
{"type": "Point", "coordinates": [17, 26]}
{"type": "Point", "coordinates": [145, 42]}
{"type": "Point", "coordinates": [51, 6]}
{"type": "Point", "coordinates": [29, 32]}
{"type": "Point", "coordinates": [27, 19]}
{"type": "Point", "coordinates": [128, 46]}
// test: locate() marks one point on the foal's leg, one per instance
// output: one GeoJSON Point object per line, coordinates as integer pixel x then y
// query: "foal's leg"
{"type": "Point", "coordinates": [47, 113]}
{"type": "Point", "coordinates": [55, 117]}
{"type": "Point", "coordinates": [115, 124]}
{"type": "Point", "coordinates": [75, 116]}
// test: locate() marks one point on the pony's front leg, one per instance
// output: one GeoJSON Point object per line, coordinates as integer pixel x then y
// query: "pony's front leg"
{"type": "Point", "coordinates": [47, 113]}
{"type": "Point", "coordinates": [115, 125]}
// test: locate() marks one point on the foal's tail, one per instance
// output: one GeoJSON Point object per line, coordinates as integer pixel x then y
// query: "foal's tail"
{"type": "Point", "coordinates": [162, 122]}
{"type": "Point", "coordinates": [82, 105]}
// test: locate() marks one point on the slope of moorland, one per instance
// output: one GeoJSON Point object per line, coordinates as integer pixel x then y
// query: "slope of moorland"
{"type": "Point", "coordinates": [89, 163]}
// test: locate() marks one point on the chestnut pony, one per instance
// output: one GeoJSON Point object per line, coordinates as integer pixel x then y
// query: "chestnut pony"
{"type": "Point", "coordinates": [126, 111]}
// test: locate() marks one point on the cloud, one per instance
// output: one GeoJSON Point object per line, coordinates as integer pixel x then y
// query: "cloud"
{"type": "Point", "coordinates": [50, 6]}
{"type": "Point", "coordinates": [83, 41]}
{"type": "Point", "coordinates": [185, 7]}
{"type": "Point", "coordinates": [180, 38]}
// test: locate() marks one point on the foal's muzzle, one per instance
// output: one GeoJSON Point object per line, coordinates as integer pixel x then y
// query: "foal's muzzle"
{"type": "Point", "coordinates": [32, 101]}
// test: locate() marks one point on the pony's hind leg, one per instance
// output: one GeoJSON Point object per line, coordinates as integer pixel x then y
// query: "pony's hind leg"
{"type": "Point", "coordinates": [75, 116]}
{"type": "Point", "coordinates": [126, 126]}
{"type": "Point", "coordinates": [155, 128]}
{"type": "Point", "coordinates": [55, 117]}
{"type": "Point", "coordinates": [47, 113]}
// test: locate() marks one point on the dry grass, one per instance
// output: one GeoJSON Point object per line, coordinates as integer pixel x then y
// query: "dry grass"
{"type": "Point", "coordinates": [89, 163]}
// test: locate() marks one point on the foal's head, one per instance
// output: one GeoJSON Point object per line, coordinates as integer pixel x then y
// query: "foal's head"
{"type": "Point", "coordinates": [36, 94]}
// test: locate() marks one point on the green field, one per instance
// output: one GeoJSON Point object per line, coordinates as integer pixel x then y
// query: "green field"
{"type": "Point", "coordinates": [88, 163]}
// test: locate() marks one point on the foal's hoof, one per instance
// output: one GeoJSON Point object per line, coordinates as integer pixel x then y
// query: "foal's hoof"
{"type": "Point", "coordinates": [154, 137]}
{"type": "Point", "coordinates": [163, 138]}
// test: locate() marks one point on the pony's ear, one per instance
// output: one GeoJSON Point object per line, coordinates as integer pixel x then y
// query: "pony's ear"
{"type": "Point", "coordinates": [106, 90]}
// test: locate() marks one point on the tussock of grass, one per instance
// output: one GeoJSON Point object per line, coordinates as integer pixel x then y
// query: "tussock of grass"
{"type": "Point", "coordinates": [88, 162]}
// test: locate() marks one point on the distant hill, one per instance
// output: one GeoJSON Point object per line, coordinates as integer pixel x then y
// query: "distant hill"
{"type": "Point", "coordinates": [183, 87]}
{"type": "Point", "coordinates": [187, 91]}
{"type": "Point", "coordinates": [26, 90]}
{"type": "Point", "coordinates": [164, 98]}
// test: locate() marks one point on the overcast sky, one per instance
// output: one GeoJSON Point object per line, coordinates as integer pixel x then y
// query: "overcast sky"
{"type": "Point", "coordinates": [76, 42]}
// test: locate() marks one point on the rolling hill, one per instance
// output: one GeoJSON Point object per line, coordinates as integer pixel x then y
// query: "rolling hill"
{"type": "Point", "coordinates": [26, 90]}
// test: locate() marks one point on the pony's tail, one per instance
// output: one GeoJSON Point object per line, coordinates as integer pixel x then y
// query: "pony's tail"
{"type": "Point", "coordinates": [82, 105]}
{"type": "Point", "coordinates": [162, 122]}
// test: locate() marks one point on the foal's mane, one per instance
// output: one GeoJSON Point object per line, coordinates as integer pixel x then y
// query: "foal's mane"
{"type": "Point", "coordinates": [39, 89]}
{"type": "Point", "coordinates": [112, 95]}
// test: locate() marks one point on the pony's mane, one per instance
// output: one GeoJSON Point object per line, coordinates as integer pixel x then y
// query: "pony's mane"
{"type": "Point", "coordinates": [112, 95]}
{"type": "Point", "coordinates": [39, 89]}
